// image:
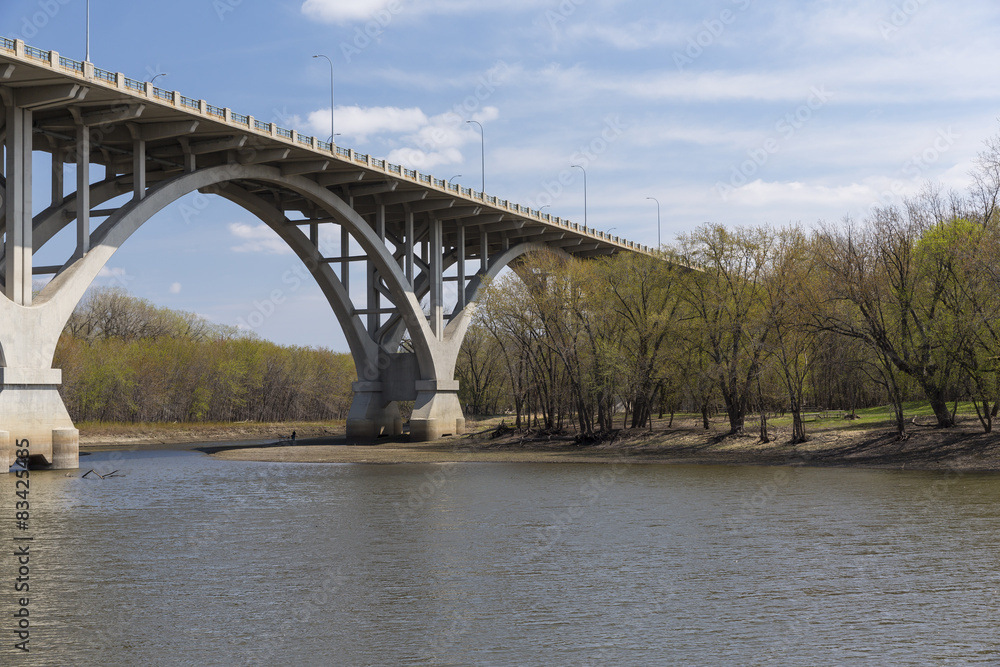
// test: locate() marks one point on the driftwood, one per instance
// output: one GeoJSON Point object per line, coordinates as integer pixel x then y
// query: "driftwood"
{"type": "Point", "coordinates": [109, 475]}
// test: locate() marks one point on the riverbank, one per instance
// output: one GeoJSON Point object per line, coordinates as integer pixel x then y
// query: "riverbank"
{"type": "Point", "coordinates": [101, 436]}
{"type": "Point", "coordinates": [925, 449]}
{"type": "Point", "coordinates": [964, 448]}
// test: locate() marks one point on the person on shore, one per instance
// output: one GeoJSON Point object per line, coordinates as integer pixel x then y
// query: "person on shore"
{"type": "Point", "coordinates": [293, 437]}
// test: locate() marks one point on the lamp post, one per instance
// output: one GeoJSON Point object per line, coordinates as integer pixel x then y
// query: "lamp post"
{"type": "Point", "coordinates": [584, 192]}
{"type": "Point", "coordinates": [482, 150]}
{"type": "Point", "coordinates": [153, 80]}
{"type": "Point", "coordinates": [454, 177]}
{"type": "Point", "coordinates": [332, 133]}
{"type": "Point", "coordinates": [87, 58]}
{"type": "Point", "coordinates": [659, 243]}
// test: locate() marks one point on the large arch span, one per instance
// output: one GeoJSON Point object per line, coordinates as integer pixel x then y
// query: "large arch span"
{"type": "Point", "coordinates": [414, 233]}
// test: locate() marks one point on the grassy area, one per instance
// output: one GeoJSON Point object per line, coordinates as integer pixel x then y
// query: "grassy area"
{"type": "Point", "coordinates": [881, 416]}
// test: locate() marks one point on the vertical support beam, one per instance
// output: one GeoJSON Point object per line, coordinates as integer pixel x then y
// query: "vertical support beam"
{"type": "Point", "coordinates": [82, 190]}
{"type": "Point", "coordinates": [18, 205]}
{"type": "Point", "coordinates": [484, 251]}
{"type": "Point", "coordinates": [345, 252]}
{"type": "Point", "coordinates": [436, 251]}
{"type": "Point", "coordinates": [460, 249]}
{"type": "Point", "coordinates": [409, 248]}
{"type": "Point", "coordinates": [58, 178]}
{"type": "Point", "coordinates": [138, 169]}
{"type": "Point", "coordinates": [374, 298]}
{"type": "Point", "coordinates": [314, 234]}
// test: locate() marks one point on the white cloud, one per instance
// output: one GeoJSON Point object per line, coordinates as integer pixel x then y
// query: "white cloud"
{"type": "Point", "coordinates": [629, 37]}
{"type": "Point", "coordinates": [111, 272]}
{"type": "Point", "coordinates": [382, 11]}
{"type": "Point", "coordinates": [175, 288]}
{"type": "Point", "coordinates": [760, 193]}
{"type": "Point", "coordinates": [359, 122]}
{"type": "Point", "coordinates": [114, 275]}
{"type": "Point", "coordinates": [343, 11]}
{"type": "Point", "coordinates": [257, 238]}
{"type": "Point", "coordinates": [418, 141]}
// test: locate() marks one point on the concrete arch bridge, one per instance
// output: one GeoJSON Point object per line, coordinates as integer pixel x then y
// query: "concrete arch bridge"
{"type": "Point", "coordinates": [155, 146]}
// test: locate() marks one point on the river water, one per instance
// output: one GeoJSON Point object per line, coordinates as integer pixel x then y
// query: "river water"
{"type": "Point", "coordinates": [186, 560]}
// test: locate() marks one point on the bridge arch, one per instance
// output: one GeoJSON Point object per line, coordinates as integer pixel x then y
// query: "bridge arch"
{"type": "Point", "coordinates": [66, 289]}
{"type": "Point", "coordinates": [162, 146]}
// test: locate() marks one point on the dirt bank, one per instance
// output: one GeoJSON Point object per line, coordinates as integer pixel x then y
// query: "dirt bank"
{"type": "Point", "coordinates": [926, 449]}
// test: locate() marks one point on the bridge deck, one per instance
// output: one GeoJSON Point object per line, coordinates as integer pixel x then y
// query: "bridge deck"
{"type": "Point", "coordinates": [178, 130]}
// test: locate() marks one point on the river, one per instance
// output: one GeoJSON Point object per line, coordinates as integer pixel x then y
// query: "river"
{"type": "Point", "coordinates": [187, 560]}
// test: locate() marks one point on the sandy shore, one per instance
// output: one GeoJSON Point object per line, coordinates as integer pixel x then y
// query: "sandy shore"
{"type": "Point", "coordinates": [965, 448]}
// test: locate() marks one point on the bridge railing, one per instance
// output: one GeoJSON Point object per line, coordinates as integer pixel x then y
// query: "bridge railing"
{"type": "Point", "coordinates": [221, 113]}
{"type": "Point", "coordinates": [69, 63]}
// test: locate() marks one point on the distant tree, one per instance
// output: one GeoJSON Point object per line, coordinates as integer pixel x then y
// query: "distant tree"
{"type": "Point", "coordinates": [725, 299]}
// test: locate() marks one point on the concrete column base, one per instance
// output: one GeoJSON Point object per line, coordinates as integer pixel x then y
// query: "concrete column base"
{"type": "Point", "coordinates": [371, 416]}
{"type": "Point", "coordinates": [435, 415]}
{"type": "Point", "coordinates": [36, 413]}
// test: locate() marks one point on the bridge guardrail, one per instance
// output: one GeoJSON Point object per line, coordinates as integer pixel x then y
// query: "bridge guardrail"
{"type": "Point", "coordinates": [69, 63]}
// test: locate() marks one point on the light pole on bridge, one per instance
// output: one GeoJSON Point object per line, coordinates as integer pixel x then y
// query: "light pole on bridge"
{"type": "Point", "coordinates": [659, 243]}
{"type": "Point", "coordinates": [482, 150]}
{"type": "Point", "coordinates": [87, 57]}
{"type": "Point", "coordinates": [332, 133]}
{"type": "Point", "coordinates": [584, 192]}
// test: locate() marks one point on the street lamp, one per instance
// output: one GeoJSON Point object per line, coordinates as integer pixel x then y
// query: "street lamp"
{"type": "Point", "coordinates": [584, 192]}
{"type": "Point", "coordinates": [482, 150]}
{"type": "Point", "coordinates": [153, 80]}
{"type": "Point", "coordinates": [87, 58]}
{"type": "Point", "coordinates": [659, 243]}
{"type": "Point", "coordinates": [454, 177]}
{"type": "Point", "coordinates": [332, 133]}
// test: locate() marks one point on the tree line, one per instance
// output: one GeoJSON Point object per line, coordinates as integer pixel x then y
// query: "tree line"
{"type": "Point", "coordinates": [899, 306]}
{"type": "Point", "coordinates": [126, 360]}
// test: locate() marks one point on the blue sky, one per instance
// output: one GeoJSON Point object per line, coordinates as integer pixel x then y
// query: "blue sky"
{"type": "Point", "coordinates": [734, 111]}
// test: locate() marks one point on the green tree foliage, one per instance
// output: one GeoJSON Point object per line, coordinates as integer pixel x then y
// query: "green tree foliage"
{"type": "Point", "coordinates": [898, 307]}
{"type": "Point", "coordinates": [126, 360]}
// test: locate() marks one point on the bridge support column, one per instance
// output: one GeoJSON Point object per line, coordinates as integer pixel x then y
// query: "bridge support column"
{"type": "Point", "coordinates": [437, 411]}
{"type": "Point", "coordinates": [31, 409]}
{"type": "Point", "coordinates": [371, 414]}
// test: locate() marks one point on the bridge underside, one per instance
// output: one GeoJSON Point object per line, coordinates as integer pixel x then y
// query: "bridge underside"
{"type": "Point", "coordinates": [408, 236]}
